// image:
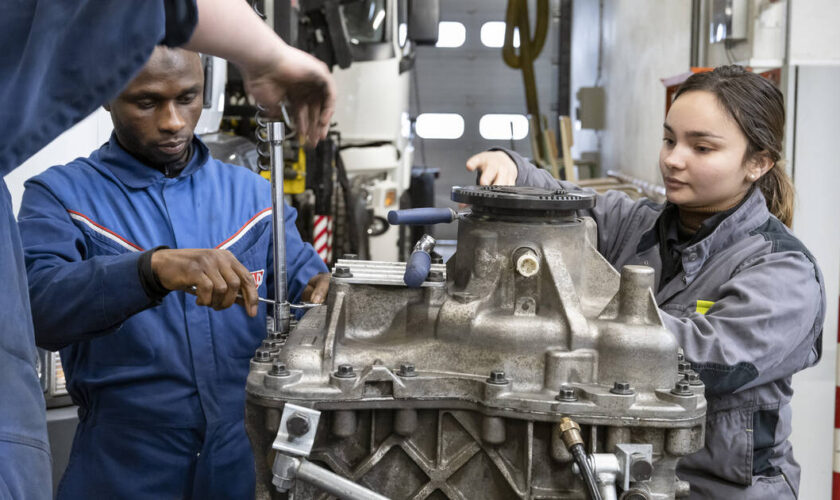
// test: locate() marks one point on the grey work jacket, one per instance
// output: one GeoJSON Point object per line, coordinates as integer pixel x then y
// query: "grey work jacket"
{"type": "Point", "coordinates": [763, 325]}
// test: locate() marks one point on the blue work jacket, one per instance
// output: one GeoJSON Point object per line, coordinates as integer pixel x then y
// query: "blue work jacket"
{"type": "Point", "coordinates": [59, 61]}
{"type": "Point", "coordinates": [174, 364]}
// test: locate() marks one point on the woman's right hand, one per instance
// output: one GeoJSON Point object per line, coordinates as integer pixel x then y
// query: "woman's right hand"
{"type": "Point", "coordinates": [496, 167]}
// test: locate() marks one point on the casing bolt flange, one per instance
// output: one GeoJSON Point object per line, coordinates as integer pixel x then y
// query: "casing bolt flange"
{"type": "Point", "coordinates": [622, 389]}
{"type": "Point", "coordinates": [407, 370]}
{"type": "Point", "coordinates": [278, 369]}
{"type": "Point", "coordinates": [682, 388]}
{"type": "Point", "coordinates": [342, 272]}
{"type": "Point", "coordinates": [692, 377]}
{"type": "Point", "coordinates": [345, 371]}
{"type": "Point", "coordinates": [497, 377]}
{"type": "Point", "coordinates": [567, 393]}
{"type": "Point", "coordinates": [262, 355]}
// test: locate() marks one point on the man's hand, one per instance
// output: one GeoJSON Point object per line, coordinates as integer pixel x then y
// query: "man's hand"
{"type": "Point", "coordinates": [317, 288]}
{"type": "Point", "coordinates": [302, 79]}
{"type": "Point", "coordinates": [496, 167]}
{"type": "Point", "coordinates": [216, 274]}
{"type": "Point", "coordinates": [273, 70]}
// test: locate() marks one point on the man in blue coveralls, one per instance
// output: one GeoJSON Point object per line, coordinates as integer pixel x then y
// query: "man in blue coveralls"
{"type": "Point", "coordinates": [111, 242]}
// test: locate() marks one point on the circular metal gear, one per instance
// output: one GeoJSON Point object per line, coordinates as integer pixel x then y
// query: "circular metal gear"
{"type": "Point", "coordinates": [522, 198]}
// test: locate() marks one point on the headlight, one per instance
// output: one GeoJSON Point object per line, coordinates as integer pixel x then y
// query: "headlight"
{"type": "Point", "coordinates": [378, 226]}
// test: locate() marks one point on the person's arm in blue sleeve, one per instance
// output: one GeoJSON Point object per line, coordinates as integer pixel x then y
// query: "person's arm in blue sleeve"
{"type": "Point", "coordinates": [73, 297]}
{"type": "Point", "coordinates": [612, 212]}
{"type": "Point", "coordinates": [758, 330]}
{"type": "Point", "coordinates": [76, 55]}
{"type": "Point", "coordinates": [302, 261]}
{"type": "Point", "coordinates": [24, 447]}
{"type": "Point", "coordinates": [80, 54]}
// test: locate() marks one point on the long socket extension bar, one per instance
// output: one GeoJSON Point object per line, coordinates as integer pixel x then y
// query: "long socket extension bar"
{"type": "Point", "coordinates": [282, 315]}
{"type": "Point", "coordinates": [287, 469]}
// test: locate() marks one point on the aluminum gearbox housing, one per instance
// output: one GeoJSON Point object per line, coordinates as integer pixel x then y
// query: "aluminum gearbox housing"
{"type": "Point", "coordinates": [457, 388]}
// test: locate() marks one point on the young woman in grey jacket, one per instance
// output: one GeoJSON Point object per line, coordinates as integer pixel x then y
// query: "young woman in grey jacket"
{"type": "Point", "coordinates": [743, 296]}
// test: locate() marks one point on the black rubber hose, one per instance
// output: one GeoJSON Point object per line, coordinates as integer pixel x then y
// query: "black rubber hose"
{"type": "Point", "coordinates": [588, 476]}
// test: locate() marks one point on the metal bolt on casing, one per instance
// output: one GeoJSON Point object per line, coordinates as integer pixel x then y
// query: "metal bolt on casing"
{"type": "Point", "coordinates": [621, 388]}
{"type": "Point", "coordinates": [567, 393]}
{"type": "Point", "coordinates": [278, 369]}
{"type": "Point", "coordinates": [682, 388]}
{"type": "Point", "coordinates": [692, 377]}
{"type": "Point", "coordinates": [345, 371]}
{"type": "Point", "coordinates": [407, 370]}
{"type": "Point", "coordinates": [297, 425]}
{"type": "Point", "coordinates": [272, 345]}
{"type": "Point", "coordinates": [640, 468]}
{"type": "Point", "coordinates": [497, 377]}
{"type": "Point", "coordinates": [683, 366]}
{"type": "Point", "coordinates": [436, 276]}
{"type": "Point", "coordinates": [342, 272]}
{"type": "Point", "coordinates": [262, 355]}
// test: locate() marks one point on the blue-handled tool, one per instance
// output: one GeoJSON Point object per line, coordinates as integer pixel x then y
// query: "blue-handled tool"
{"type": "Point", "coordinates": [423, 216]}
{"type": "Point", "coordinates": [419, 263]}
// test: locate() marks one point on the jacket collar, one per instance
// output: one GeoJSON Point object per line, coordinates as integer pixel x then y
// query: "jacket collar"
{"type": "Point", "coordinates": [751, 213]}
{"type": "Point", "coordinates": [136, 174]}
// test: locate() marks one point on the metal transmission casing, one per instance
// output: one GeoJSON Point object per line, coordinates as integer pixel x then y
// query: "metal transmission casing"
{"type": "Point", "coordinates": [456, 389]}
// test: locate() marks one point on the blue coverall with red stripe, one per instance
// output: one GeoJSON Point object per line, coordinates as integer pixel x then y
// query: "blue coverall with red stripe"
{"type": "Point", "coordinates": [160, 386]}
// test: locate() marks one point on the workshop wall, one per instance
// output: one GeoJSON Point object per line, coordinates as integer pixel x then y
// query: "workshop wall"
{"type": "Point", "coordinates": [813, 126]}
{"type": "Point", "coordinates": [584, 70]}
{"type": "Point", "coordinates": [643, 41]}
{"type": "Point", "coordinates": [814, 122]}
{"type": "Point", "coordinates": [81, 140]}
{"type": "Point", "coordinates": [813, 36]}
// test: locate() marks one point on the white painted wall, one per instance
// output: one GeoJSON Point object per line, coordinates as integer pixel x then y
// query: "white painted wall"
{"type": "Point", "coordinates": [643, 42]}
{"type": "Point", "coordinates": [814, 37]}
{"type": "Point", "coordinates": [80, 140]}
{"type": "Point", "coordinates": [816, 169]}
{"type": "Point", "coordinates": [813, 71]}
{"type": "Point", "coordinates": [584, 66]}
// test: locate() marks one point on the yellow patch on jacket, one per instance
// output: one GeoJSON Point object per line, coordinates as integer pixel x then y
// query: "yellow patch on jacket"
{"type": "Point", "coordinates": [703, 306]}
